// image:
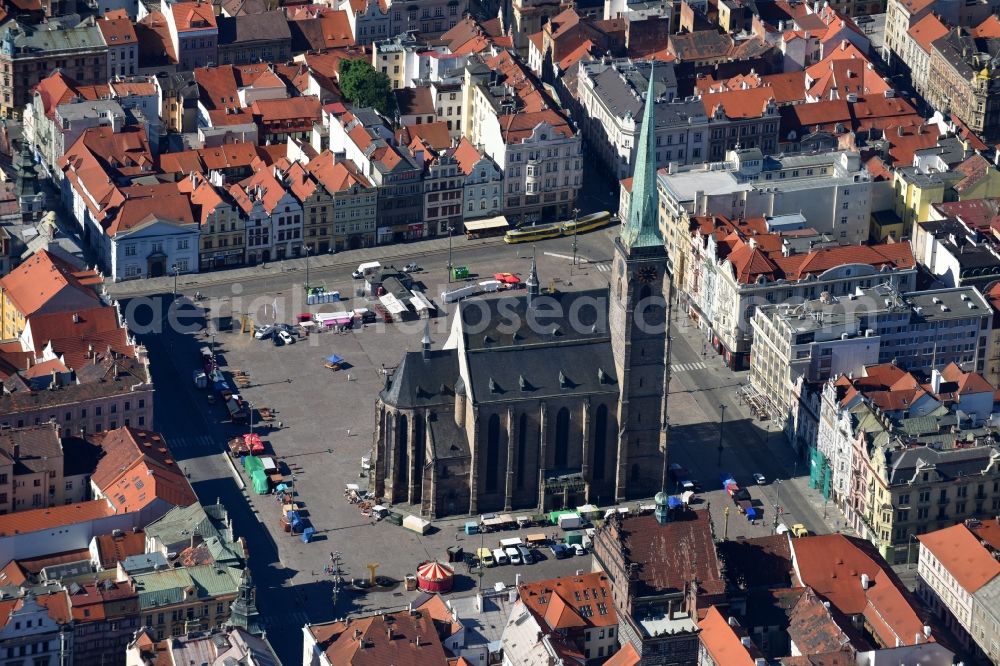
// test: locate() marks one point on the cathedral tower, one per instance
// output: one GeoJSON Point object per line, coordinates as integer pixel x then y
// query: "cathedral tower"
{"type": "Point", "coordinates": [638, 315]}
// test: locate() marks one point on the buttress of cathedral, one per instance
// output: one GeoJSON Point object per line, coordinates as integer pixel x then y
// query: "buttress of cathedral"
{"type": "Point", "coordinates": [539, 401]}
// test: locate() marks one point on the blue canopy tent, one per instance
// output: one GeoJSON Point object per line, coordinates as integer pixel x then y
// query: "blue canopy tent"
{"type": "Point", "coordinates": [333, 361]}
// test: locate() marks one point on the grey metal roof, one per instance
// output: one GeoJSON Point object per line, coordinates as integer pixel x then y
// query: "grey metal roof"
{"type": "Point", "coordinates": [554, 319]}
{"type": "Point", "coordinates": [951, 464]}
{"type": "Point", "coordinates": [29, 41]}
{"type": "Point", "coordinates": [448, 441]}
{"type": "Point", "coordinates": [423, 382]}
{"type": "Point", "coordinates": [621, 89]}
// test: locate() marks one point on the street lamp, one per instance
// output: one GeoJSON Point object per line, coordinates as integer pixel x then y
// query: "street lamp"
{"type": "Point", "coordinates": [174, 269]}
{"type": "Point", "coordinates": [722, 421]}
{"type": "Point", "coordinates": [250, 408]}
{"type": "Point", "coordinates": [449, 250]}
{"type": "Point", "coordinates": [909, 549]}
{"type": "Point", "coordinates": [777, 503]}
{"type": "Point", "coordinates": [576, 213]}
{"type": "Point", "coordinates": [307, 249]}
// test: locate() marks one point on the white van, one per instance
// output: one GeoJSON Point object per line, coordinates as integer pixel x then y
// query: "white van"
{"type": "Point", "coordinates": [513, 555]}
{"type": "Point", "coordinates": [366, 269]}
{"type": "Point", "coordinates": [500, 557]}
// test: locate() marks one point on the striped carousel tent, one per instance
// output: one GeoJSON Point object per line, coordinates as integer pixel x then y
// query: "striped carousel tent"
{"type": "Point", "coordinates": [435, 577]}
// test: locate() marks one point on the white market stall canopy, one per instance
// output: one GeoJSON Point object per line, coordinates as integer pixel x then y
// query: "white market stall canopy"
{"type": "Point", "coordinates": [392, 304]}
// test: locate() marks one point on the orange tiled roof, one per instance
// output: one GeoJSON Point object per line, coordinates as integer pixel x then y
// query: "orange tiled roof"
{"type": "Point", "coordinates": [748, 103]}
{"type": "Point", "coordinates": [571, 602]}
{"type": "Point", "coordinates": [117, 32]}
{"type": "Point", "coordinates": [137, 469]}
{"type": "Point", "coordinates": [336, 176]}
{"type": "Point", "coordinates": [960, 553]}
{"type": "Point", "coordinates": [518, 127]}
{"type": "Point", "coordinates": [34, 520]}
{"type": "Point", "coordinates": [721, 642]}
{"type": "Point", "coordinates": [44, 283]}
{"type": "Point", "coordinates": [832, 565]}
{"type": "Point", "coordinates": [930, 28]}
{"type": "Point", "coordinates": [467, 156]}
{"type": "Point", "coordinates": [191, 16]}
{"type": "Point", "coordinates": [626, 656]}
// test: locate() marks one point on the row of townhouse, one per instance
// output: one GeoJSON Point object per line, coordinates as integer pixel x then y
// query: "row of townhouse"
{"type": "Point", "coordinates": [904, 453]}
{"type": "Point", "coordinates": [210, 217]}
{"type": "Point", "coordinates": [689, 131]}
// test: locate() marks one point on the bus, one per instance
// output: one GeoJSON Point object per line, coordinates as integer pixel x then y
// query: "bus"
{"type": "Point", "coordinates": [587, 223]}
{"type": "Point", "coordinates": [533, 233]}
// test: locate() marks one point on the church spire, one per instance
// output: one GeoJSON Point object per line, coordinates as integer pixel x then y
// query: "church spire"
{"type": "Point", "coordinates": [243, 611]}
{"type": "Point", "coordinates": [642, 229]}
{"type": "Point", "coordinates": [532, 282]}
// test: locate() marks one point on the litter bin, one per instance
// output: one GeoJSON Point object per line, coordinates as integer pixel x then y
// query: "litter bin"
{"type": "Point", "coordinates": [459, 272]}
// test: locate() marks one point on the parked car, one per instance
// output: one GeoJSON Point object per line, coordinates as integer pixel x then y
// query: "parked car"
{"type": "Point", "coordinates": [412, 267]}
{"type": "Point", "coordinates": [799, 530]}
{"type": "Point", "coordinates": [559, 551]}
{"type": "Point", "coordinates": [276, 339]}
{"type": "Point", "coordinates": [759, 479]}
{"type": "Point", "coordinates": [513, 554]}
{"type": "Point", "coordinates": [485, 556]}
{"type": "Point", "coordinates": [526, 555]}
{"type": "Point", "coordinates": [578, 549]}
{"type": "Point", "coordinates": [263, 332]}
{"type": "Point", "coordinates": [286, 337]}
{"type": "Point", "coordinates": [500, 557]}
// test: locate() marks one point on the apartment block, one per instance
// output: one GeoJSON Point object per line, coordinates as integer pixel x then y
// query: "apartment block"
{"type": "Point", "coordinates": [957, 571]}
{"type": "Point", "coordinates": [833, 335]}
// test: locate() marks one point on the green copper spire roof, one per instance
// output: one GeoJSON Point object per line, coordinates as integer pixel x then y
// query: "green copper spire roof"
{"type": "Point", "coordinates": [642, 228]}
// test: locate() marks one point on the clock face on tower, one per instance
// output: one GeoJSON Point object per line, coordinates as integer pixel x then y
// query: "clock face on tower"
{"type": "Point", "coordinates": [646, 274]}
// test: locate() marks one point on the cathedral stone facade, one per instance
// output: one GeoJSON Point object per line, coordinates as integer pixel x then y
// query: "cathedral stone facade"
{"type": "Point", "coordinates": [539, 401]}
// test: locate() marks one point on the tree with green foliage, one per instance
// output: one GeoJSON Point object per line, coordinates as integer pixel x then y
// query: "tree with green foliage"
{"type": "Point", "coordinates": [363, 85]}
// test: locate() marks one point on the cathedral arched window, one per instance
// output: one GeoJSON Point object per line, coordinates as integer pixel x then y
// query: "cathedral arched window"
{"type": "Point", "coordinates": [492, 453]}
{"type": "Point", "coordinates": [562, 438]}
{"type": "Point", "coordinates": [522, 446]}
{"type": "Point", "coordinates": [600, 442]}
{"type": "Point", "coordinates": [402, 446]}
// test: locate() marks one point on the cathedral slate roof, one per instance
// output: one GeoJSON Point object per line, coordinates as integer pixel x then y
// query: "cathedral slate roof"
{"type": "Point", "coordinates": [494, 323]}
{"type": "Point", "coordinates": [544, 371]}
{"type": "Point", "coordinates": [419, 382]}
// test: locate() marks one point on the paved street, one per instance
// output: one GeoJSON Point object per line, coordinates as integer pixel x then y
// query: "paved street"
{"type": "Point", "coordinates": [324, 425]}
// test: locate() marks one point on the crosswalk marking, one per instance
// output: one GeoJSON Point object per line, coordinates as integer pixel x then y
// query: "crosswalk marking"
{"type": "Point", "coordinates": [687, 367]}
{"type": "Point", "coordinates": [603, 267]}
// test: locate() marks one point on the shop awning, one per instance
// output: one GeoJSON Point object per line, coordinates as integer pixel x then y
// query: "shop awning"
{"type": "Point", "coordinates": [487, 224]}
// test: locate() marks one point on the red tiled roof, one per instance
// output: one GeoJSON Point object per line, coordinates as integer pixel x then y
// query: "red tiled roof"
{"type": "Point", "coordinates": [968, 382]}
{"type": "Point", "coordinates": [137, 468]}
{"type": "Point", "coordinates": [816, 262]}
{"type": "Point", "coordinates": [189, 16]}
{"type": "Point", "coordinates": [904, 141]}
{"type": "Point", "coordinates": [960, 553]}
{"type": "Point", "coordinates": [72, 334]}
{"type": "Point", "coordinates": [113, 549]}
{"type": "Point", "coordinates": [833, 564]}
{"type": "Point", "coordinates": [748, 103]}
{"type": "Point", "coordinates": [467, 156]}
{"type": "Point", "coordinates": [434, 134]}
{"type": "Point", "coordinates": [626, 656]}
{"type": "Point", "coordinates": [295, 108]}
{"type": "Point", "coordinates": [721, 642]}
{"type": "Point", "coordinates": [44, 283]}
{"type": "Point", "coordinates": [381, 641]}
{"type": "Point", "coordinates": [117, 32]}
{"type": "Point", "coordinates": [34, 520]}
{"type": "Point", "coordinates": [571, 601]}
{"type": "Point", "coordinates": [929, 29]}
{"type": "Point", "coordinates": [517, 127]}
